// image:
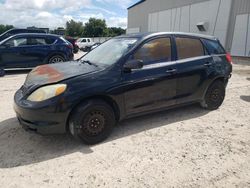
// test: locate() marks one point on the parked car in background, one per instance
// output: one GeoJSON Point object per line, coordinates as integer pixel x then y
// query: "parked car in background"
{"type": "Point", "coordinates": [31, 50]}
{"type": "Point", "coordinates": [95, 45]}
{"type": "Point", "coordinates": [73, 42]}
{"type": "Point", "coordinates": [12, 32]}
{"type": "Point", "coordinates": [85, 43]}
{"type": "Point", "coordinates": [124, 77]}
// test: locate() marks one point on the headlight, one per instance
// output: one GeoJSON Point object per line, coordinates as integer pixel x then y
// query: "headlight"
{"type": "Point", "coordinates": [47, 92]}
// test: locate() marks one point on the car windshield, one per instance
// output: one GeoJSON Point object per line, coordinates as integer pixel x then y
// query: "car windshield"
{"type": "Point", "coordinates": [110, 52]}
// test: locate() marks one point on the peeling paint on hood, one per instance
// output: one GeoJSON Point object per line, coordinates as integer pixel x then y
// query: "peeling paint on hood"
{"type": "Point", "coordinates": [53, 73]}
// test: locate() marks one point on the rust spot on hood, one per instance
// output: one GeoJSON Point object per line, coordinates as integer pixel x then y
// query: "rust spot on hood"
{"type": "Point", "coordinates": [48, 72]}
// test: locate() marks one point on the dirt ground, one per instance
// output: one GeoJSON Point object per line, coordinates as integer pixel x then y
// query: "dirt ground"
{"type": "Point", "coordinates": [185, 147]}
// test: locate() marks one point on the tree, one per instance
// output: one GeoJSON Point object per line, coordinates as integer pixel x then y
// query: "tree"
{"type": "Point", "coordinates": [95, 28]}
{"type": "Point", "coordinates": [115, 31]}
{"type": "Point", "coordinates": [4, 28]}
{"type": "Point", "coordinates": [74, 29]}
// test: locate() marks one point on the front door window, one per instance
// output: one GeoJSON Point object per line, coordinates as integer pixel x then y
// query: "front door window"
{"type": "Point", "coordinates": [155, 51]}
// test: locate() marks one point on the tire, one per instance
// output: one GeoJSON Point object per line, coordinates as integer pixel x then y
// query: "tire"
{"type": "Point", "coordinates": [83, 49]}
{"type": "Point", "coordinates": [2, 72]}
{"type": "Point", "coordinates": [56, 59]}
{"type": "Point", "coordinates": [75, 51]}
{"type": "Point", "coordinates": [214, 96]}
{"type": "Point", "coordinates": [88, 49]}
{"type": "Point", "coordinates": [92, 122]}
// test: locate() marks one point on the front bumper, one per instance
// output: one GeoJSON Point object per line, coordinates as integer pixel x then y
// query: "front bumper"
{"type": "Point", "coordinates": [46, 118]}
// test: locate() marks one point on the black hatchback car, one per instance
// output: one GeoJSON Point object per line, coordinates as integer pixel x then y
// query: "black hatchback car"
{"type": "Point", "coordinates": [32, 49]}
{"type": "Point", "coordinates": [124, 77]}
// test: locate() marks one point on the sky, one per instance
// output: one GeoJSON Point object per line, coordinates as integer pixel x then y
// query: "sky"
{"type": "Point", "coordinates": [55, 13]}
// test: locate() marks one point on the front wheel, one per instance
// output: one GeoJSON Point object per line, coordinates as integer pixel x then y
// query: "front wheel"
{"type": "Point", "coordinates": [214, 96]}
{"type": "Point", "coordinates": [92, 122]}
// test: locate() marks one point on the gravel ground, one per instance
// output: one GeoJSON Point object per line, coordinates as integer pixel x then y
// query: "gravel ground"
{"type": "Point", "coordinates": [185, 147]}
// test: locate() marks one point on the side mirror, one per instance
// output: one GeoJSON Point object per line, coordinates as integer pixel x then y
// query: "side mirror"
{"type": "Point", "coordinates": [133, 64]}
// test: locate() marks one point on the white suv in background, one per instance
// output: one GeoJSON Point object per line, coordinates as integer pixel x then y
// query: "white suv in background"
{"type": "Point", "coordinates": [85, 43]}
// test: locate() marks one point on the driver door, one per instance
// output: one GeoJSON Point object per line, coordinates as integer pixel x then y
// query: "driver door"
{"type": "Point", "coordinates": [154, 86]}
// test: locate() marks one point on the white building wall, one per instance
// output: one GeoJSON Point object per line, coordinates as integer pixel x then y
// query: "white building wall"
{"type": "Point", "coordinates": [241, 38]}
{"type": "Point", "coordinates": [185, 19]}
{"type": "Point", "coordinates": [222, 22]}
{"type": "Point", "coordinates": [162, 19]}
{"type": "Point", "coordinates": [133, 30]}
{"type": "Point", "coordinates": [248, 38]}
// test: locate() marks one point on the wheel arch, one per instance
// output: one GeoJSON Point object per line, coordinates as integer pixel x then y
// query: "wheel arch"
{"type": "Point", "coordinates": [113, 104]}
{"type": "Point", "coordinates": [219, 78]}
{"type": "Point", "coordinates": [54, 54]}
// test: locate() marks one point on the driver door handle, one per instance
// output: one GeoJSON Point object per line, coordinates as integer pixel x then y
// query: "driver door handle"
{"type": "Point", "coordinates": [208, 64]}
{"type": "Point", "coordinates": [171, 71]}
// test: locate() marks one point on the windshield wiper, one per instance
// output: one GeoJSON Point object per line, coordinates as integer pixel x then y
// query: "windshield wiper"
{"type": "Point", "coordinates": [88, 62]}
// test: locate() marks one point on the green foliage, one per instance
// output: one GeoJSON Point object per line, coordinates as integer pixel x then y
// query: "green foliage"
{"type": "Point", "coordinates": [95, 28]}
{"type": "Point", "coordinates": [58, 31]}
{"type": "Point", "coordinates": [115, 31]}
{"type": "Point", "coordinates": [74, 29]}
{"type": "Point", "coordinates": [4, 28]}
{"type": "Point", "coordinates": [98, 28]}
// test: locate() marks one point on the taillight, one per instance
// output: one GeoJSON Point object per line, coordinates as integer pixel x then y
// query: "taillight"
{"type": "Point", "coordinates": [75, 44]}
{"type": "Point", "coordinates": [70, 46]}
{"type": "Point", "coordinates": [229, 58]}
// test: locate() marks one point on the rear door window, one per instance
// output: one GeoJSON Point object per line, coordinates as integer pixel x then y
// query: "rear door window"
{"type": "Point", "coordinates": [189, 47]}
{"type": "Point", "coordinates": [155, 51]}
{"type": "Point", "coordinates": [35, 41]}
{"type": "Point", "coordinates": [214, 47]}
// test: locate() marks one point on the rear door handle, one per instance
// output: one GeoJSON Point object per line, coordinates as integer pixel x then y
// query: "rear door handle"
{"type": "Point", "coordinates": [208, 64]}
{"type": "Point", "coordinates": [171, 71]}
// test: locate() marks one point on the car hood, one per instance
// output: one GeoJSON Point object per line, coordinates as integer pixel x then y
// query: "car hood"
{"type": "Point", "coordinates": [53, 73]}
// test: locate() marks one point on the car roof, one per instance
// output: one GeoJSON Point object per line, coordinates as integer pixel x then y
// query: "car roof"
{"type": "Point", "coordinates": [36, 34]}
{"type": "Point", "coordinates": [18, 29]}
{"type": "Point", "coordinates": [143, 36]}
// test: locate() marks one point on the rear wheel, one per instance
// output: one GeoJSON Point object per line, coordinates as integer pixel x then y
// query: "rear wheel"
{"type": "Point", "coordinates": [56, 59]}
{"type": "Point", "coordinates": [76, 49]}
{"type": "Point", "coordinates": [214, 96]}
{"type": "Point", "coordinates": [92, 122]}
{"type": "Point", "coordinates": [2, 72]}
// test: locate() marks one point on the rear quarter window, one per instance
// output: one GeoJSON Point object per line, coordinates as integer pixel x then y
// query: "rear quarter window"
{"type": "Point", "coordinates": [63, 41]}
{"type": "Point", "coordinates": [189, 47]}
{"type": "Point", "coordinates": [50, 40]}
{"type": "Point", "coordinates": [214, 47]}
